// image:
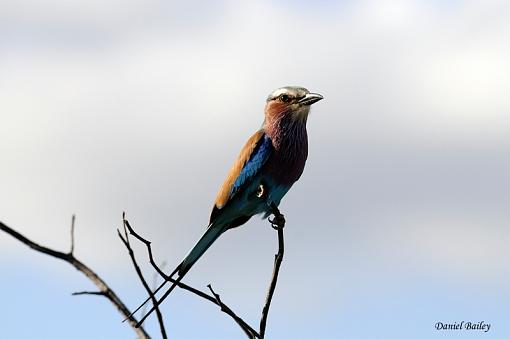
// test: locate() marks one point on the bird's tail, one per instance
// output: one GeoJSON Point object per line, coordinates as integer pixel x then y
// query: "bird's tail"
{"type": "Point", "coordinates": [211, 234]}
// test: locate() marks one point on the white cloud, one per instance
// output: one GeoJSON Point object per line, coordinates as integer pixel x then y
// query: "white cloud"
{"type": "Point", "coordinates": [144, 109]}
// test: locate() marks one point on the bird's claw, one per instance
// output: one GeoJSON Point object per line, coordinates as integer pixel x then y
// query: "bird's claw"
{"type": "Point", "coordinates": [277, 222]}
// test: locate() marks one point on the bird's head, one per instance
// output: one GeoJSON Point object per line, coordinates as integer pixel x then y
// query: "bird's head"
{"type": "Point", "coordinates": [292, 101]}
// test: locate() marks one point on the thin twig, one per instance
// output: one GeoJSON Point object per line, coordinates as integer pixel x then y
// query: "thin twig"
{"type": "Point", "coordinates": [148, 245]}
{"type": "Point", "coordinates": [142, 279]}
{"type": "Point", "coordinates": [155, 278]}
{"type": "Point", "coordinates": [250, 332]}
{"type": "Point", "coordinates": [278, 223]}
{"type": "Point", "coordinates": [73, 218]}
{"type": "Point", "coordinates": [88, 293]}
{"type": "Point", "coordinates": [69, 258]}
{"type": "Point", "coordinates": [244, 326]}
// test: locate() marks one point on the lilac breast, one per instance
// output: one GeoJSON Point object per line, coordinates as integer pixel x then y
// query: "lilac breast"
{"type": "Point", "coordinates": [290, 144]}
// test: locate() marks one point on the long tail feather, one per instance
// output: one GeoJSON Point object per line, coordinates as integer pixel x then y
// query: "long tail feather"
{"type": "Point", "coordinates": [154, 293]}
{"type": "Point", "coordinates": [167, 293]}
{"type": "Point", "coordinates": [208, 238]}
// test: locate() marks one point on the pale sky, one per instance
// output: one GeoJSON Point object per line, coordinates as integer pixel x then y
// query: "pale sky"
{"type": "Point", "coordinates": [399, 221]}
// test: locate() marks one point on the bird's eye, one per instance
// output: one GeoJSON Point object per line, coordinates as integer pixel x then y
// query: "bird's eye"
{"type": "Point", "coordinates": [284, 98]}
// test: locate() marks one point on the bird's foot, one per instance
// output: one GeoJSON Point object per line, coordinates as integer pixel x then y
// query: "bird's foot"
{"type": "Point", "coordinates": [277, 222]}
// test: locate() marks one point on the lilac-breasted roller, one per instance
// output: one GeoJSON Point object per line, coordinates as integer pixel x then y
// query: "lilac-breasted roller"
{"type": "Point", "coordinates": [270, 162]}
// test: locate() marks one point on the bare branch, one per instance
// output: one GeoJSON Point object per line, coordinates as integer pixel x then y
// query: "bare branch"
{"type": "Point", "coordinates": [142, 279]}
{"type": "Point", "coordinates": [215, 300]}
{"type": "Point", "coordinates": [148, 245]}
{"type": "Point", "coordinates": [250, 332]}
{"type": "Point", "coordinates": [73, 218]}
{"type": "Point", "coordinates": [69, 258]}
{"type": "Point", "coordinates": [278, 223]}
{"type": "Point", "coordinates": [88, 293]}
{"type": "Point", "coordinates": [155, 279]}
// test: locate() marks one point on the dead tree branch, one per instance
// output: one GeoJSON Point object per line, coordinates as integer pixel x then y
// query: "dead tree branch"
{"type": "Point", "coordinates": [73, 219]}
{"type": "Point", "coordinates": [104, 289]}
{"type": "Point", "coordinates": [277, 223]}
{"type": "Point", "coordinates": [125, 240]}
{"type": "Point", "coordinates": [250, 332]}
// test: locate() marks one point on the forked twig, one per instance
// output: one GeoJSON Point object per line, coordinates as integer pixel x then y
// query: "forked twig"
{"type": "Point", "coordinates": [250, 332]}
{"type": "Point", "coordinates": [277, 223]}
{"type": "Point", "coordinates": [125, 240]}
{"type": "Point", "coordinates": [214, 299]}
{"type": "Point", "coordinates": [104, 289]}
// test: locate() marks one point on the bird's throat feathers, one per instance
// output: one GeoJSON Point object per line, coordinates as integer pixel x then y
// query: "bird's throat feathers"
{"type": "Point", "coordinates": [287, 133]}
{"type": "Point", "coordinates": [276, 110]}
{"type": "Point", "coordinates": [290, 141]}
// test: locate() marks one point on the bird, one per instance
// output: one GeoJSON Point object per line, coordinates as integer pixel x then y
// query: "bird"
{"type": "Point", "coordinates": [270, 162]}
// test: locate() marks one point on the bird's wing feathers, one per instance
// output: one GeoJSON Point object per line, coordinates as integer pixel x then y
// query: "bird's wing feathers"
{"type": "Point", "coordinates": [254, 154]}
{"type": "Point", "coordinates": [258, 157]}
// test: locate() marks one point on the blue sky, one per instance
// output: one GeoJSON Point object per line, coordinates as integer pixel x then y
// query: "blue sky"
{"type": "Point", "coordinates": [399, 221]}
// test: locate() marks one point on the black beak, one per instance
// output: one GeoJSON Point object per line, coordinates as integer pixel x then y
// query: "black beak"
{"type": "Point", "coordinates": [310, 98]}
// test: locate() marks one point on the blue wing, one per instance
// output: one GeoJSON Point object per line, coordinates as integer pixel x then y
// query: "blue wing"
{"type": "Point", "coordinates": [258, 158]}
{"type": "Point", "coordinates": [253, 156]}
